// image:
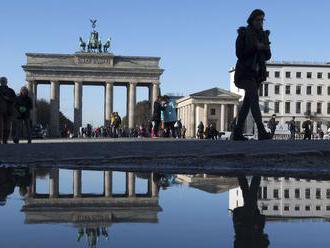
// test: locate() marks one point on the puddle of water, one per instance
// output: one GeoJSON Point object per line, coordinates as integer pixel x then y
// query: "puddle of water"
{"type": "Point", "coordinates": [82, 208]}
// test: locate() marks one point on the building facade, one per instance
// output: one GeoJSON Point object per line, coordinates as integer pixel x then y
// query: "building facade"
{"type": "Point", "coordinates": [296, 89]}
{"type": "Point", "coordinates": [216, 106]}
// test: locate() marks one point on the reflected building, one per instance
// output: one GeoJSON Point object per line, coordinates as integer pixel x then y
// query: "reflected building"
{"type": "Point", "coordinates": [287, 197]}
{"type": "Point", "coordinates": [209, 183]}
{"type": "Point", "coordinates": [91, 214]}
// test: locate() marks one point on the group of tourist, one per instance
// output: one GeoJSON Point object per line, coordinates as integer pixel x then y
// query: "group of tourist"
{"type": "Point", "coordinates": [210, 132]}
{"type": "Point", "coordinates": [14, 113]}
{"type": "Point", "coordinates": [164, 119]}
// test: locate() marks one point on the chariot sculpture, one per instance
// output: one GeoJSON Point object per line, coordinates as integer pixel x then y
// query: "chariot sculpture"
{"type": "Point", "coordinates": [94, 44]}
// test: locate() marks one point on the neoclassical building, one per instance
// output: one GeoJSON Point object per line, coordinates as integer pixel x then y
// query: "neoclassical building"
{"type": "Point", "coordinates": [294, 89]}
{"type": "Point", "coordinates": [216, 106]}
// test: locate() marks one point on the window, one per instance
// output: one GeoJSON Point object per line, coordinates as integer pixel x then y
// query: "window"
{"type": "Point", "coordinates": [319, 90]}
{"type": "Point", "coordinates": [328, 75]}
{"type": "Point", "coordinates": [261, 89]}
{"type": "Point", "coordinates": [308, 193]}
{"type": "Point", "coordinates": [287, 74]}
{"type": "Point", "coordinates": [328, 108]}
{"type": "Point", "coordinates": [264, 191]}
{"type": "Point", "coordinates": [298, 74]}
{"type": "Point", "coordinates": [318, 193]}
{"type": "Point", "coordinates": [308, 108]}
{"type": "Point", "coordinates": [267, 74]}
{"type": "Point", "coordinates": [296, 208]}
{"type": "Point", "coordinates": [287, 107]}
{"type": "Point", "coordinates": [309, 90]}
{"type": "Point", "coordinates": [319, 75]}
{"type": "Point", "coordinates": [286, 208]}
{"type": "Point", "coordinates": [277, 89]}
{"type": "Point", "coordinates": [309, 75]}
{"type": "Point", "coordinates": [264, 207]}
{"type": "Point", "coordinates": [277, 107]}
{"type": "Point", "coordinates": [298, 107]}
{"type": "Point", "coordinates": [287, 89]}
{"type": "Point", "coordinates": [307, 208]}
{"type": "Point", "coordinates": [286, 194]}
{"type": "Point", "coordinates": [319, 108]}
{"type": "Point", "coordinates": [277, 74]}
{"type": "Point", "coordinates": [328, 90]}
{"type": "Point", "coordinates": [298, 90]}
{"type": "Point", "coordinates": [212, 111]}
{"type": "Point", "coordinates": [275, 207]}
{"type": "Point", "coordinates": [318, 208]}
{"type": "Point", "coordinates": [328, 208]}
{"type": "Point", "coordinates": [297, 193]}
{"type": "Point", "coordinates": [275, 194]}
{"type": "Point", "coordinates": [266, 107]}
{"type": "Point", "coordinates": [266, 90]}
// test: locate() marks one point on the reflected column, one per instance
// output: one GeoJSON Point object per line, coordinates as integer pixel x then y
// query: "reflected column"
{"type": "Point", "coordinates": [77, 183]}
{"type": "Point", "coordinates": [152, 186]}
{"type": "Point", "coordinates": [130, 184]}
{"type": "Point", "coordinates": [54, 183]}
{"type": "Point", "coordinates": [108, 183]}
{"type": "Point", "coordinates": [32, 190]}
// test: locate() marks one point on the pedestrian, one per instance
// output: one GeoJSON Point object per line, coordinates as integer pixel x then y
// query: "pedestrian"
{"type": "Point", "coordinates": [169, 116]}
{"type": "Point", "coordinates": [23, 107]}
{"type": "Point", "coordinates": [292, 128]}
{"type": "Point", "coordinates": [183, 132]}
{"type": "Point", "coordinates": [252, 51]}
{"type": "Point", "coordinates": [7, 102]}
{"type": "Point", "coordinates": [308, 128]}
{"type": "Point", "coordinates": [200, 130]}
{"type": "Point", "coordinates": [272, 123]}
{"type": "Point", "coordinates": [156, 117]}
{"type": "Point", "coordinates": [178, 127]}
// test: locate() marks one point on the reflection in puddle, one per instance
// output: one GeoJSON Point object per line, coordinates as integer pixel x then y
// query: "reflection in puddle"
{"type": "Point", "coordinates": [91, 202]}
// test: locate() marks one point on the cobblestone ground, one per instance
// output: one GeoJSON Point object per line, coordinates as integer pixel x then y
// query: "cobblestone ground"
{"type": "Point", "coordinates": [171, 155]}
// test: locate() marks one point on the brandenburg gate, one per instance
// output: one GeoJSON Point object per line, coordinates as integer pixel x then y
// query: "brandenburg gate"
{"type": "Point", "coordinates": [94, 66]}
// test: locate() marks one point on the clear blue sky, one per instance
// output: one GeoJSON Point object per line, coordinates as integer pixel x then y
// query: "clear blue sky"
{"type": "Point", "coordinates": [195, 39]}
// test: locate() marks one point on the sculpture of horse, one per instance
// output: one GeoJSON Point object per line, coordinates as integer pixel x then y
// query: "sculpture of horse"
{"type": "Point", "coordinates": [82, 45]}
{"type": "Point", "coordinates": [106, 46]}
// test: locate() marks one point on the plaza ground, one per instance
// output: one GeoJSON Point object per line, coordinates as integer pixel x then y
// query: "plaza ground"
{"type": "Point", "coordinates": [175, 156]}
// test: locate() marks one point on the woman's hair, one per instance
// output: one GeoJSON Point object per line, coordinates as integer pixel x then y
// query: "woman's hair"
{"type": "Point", "coordinates": [254, 14]}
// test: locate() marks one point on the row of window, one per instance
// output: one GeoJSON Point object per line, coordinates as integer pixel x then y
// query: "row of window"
{"type": "Point", "coordinates": [309, 75]}
{"type": "Point", "coordinates": [296, 208]}
{"type": "Point", "coordinates": [264, 90]}
{"type": "Point", "coordinates": [287, 107]}
{"type": "Point", "coordinates": [262, 193]}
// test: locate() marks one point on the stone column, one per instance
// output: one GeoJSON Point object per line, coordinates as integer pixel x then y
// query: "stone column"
{"type": "Point", "coordinates": [108, 183]}
{"type": "Point", "coordinates": [152, 186]}
{"type": "Point", "coordinates": [108, 102]}
{"type": "Point", "coordinates": [77, 107]}
{"type": "Point", "coordinates": [54, 183]}
{"type": "Point", "coordinates": [155, 94]}
{"type": "Point", "coordinates": [131, 104]}
{"type": "Point", "coordinates": [222, 118]}
{"type": "Point", "coordinates": [193, 120]}
{"type": "Point", "coordinates": [54, 109]}
{"type": "Point", "coordinates": [130, 184]}
{"type": "Point", "coordinates": [206, 111]}
{"type": "Point", "coordinates": [33, 92]}
{"type": "Point", "coordinates": [77, 183]}
{"type": "Point", "coordinates": [235, 110]}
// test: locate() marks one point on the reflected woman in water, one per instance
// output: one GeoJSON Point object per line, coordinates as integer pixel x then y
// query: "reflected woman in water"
{"type": "Point", "coordinates": [248, 222]}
